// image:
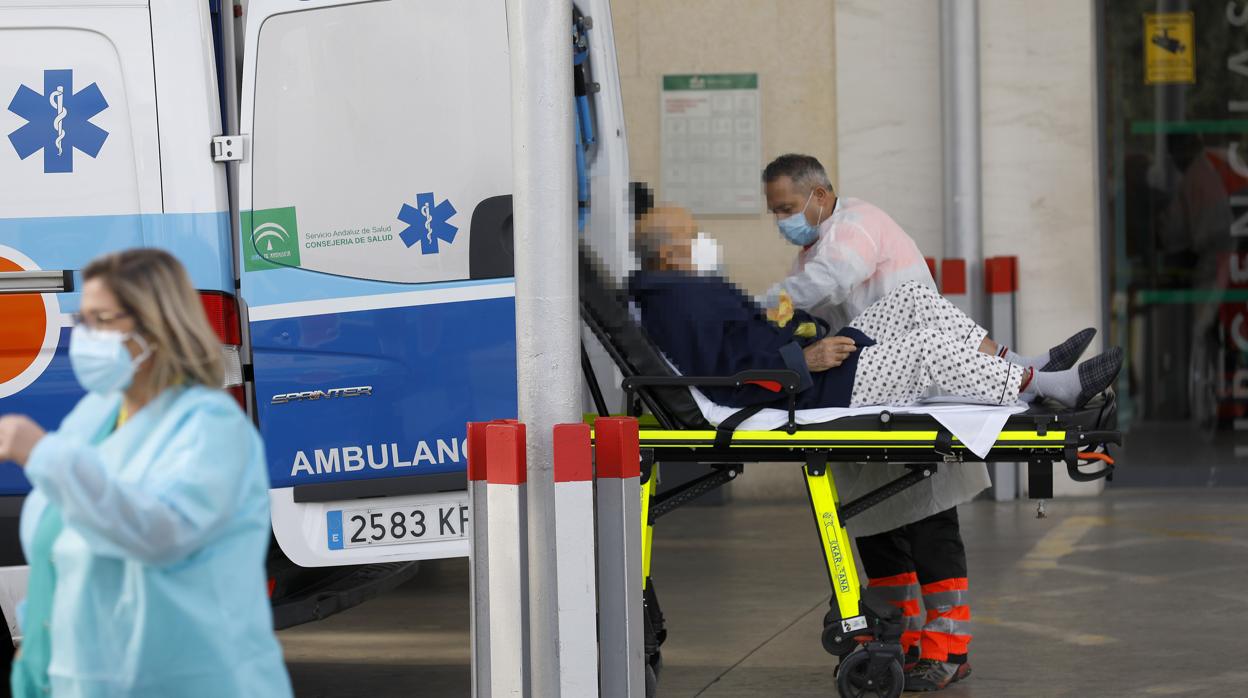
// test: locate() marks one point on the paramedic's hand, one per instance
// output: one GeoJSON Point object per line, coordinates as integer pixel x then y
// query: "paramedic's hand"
{"type": "Point", "coordinates": [18, 436]}
{"type": "Point", "coordinates": [828, 353]}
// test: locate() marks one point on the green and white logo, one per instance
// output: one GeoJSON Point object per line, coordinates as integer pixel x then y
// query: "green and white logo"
{"type": "Point", "coordinates": [270, 239]}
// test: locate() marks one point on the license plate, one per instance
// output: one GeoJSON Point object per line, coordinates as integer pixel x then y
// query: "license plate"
{"type": "Point", "coordinates": [357, 528]}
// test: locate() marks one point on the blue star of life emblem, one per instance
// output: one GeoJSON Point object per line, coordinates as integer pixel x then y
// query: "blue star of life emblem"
{"type": "Point", "coordinates": [58, 121]}
{"type": "Point", "coordinates": [427, 223]}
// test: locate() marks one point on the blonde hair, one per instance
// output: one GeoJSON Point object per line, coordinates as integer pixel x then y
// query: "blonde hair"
{"type": "Point", "coordinates": [154, 289]}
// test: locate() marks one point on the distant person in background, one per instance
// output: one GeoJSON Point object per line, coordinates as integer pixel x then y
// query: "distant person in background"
{"type": "Point", "coordinates": [148, 525]}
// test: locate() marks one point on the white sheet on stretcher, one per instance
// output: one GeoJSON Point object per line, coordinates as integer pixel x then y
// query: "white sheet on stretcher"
{"type": "Point", "coordinates": [976, 426]}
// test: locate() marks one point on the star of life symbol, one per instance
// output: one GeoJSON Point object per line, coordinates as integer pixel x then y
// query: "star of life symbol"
{"type": "Point", "coordinates": [58, 121]}
{"type": "Point", "coordinates": [427, 223]}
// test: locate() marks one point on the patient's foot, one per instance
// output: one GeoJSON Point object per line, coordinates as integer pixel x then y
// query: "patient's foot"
{"type": "Point", "coordinates": [1064, 355]}
{"type": "Point", "coordinates": [1098, 373]}
{"type": "Point", "coordinates": [1074, 387]}
{"type": "Point", "coordinates": [1059, 358]}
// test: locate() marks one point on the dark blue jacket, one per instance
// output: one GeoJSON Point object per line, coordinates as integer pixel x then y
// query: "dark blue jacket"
{"type": "Point", "coordinates": [709, 327]}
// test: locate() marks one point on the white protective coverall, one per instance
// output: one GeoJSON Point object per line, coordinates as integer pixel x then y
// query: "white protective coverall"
{"type": "Point", "coordinates": [861, 255]}
{"type": "Point", "coordinates": [160, 586]}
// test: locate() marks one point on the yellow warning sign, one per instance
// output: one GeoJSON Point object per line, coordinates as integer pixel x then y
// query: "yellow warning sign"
{"type": "Point", "coordinates": [1169, 51]}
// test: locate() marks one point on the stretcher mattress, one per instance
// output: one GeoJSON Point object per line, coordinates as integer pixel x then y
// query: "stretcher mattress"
{"type": "Point", "coordinates": [975, 426]}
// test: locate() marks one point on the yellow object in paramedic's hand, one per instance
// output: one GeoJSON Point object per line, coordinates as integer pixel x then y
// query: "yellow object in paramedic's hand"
{"type": "Point", "coordinates": [783, 313]}
{"type": "Point", "coordinates": [828, 353]}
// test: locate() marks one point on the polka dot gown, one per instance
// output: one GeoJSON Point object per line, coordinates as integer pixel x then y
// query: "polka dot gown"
{"type": "Point", "coordinates": [924, 341]}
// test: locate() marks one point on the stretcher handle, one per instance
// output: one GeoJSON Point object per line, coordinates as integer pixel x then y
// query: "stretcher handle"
{"type": "Point", "coordinates": [1091, 438]}
{"type": "Point", "coordinates": [780, 381]}
{"type": "Point", "coordinates": [1072, 469]}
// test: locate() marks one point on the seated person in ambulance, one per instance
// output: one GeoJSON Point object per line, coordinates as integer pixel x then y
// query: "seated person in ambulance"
{"type": "Point", "coordinates": [892, 353]}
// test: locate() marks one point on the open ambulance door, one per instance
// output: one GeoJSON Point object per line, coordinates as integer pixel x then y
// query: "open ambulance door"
{"type": "Point", "coordinates": [375, 248]}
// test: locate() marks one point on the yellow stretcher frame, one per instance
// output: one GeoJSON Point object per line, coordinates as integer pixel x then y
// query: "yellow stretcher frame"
{"type": "Point", "coordinates": [1037, 444]}
{"type": "Point", "coordinates": [821, 489]}
{"type": "Point", "coordinates": [1042, 441]}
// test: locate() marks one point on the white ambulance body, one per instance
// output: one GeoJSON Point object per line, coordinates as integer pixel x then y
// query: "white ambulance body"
{"type": "Point", "coordinates": [341, 198]}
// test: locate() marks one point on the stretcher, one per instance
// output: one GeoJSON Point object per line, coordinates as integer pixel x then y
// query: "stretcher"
{"type": "Point", "coordinates": [866, 640]}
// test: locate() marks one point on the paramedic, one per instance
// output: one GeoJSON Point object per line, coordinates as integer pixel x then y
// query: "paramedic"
{"type": "Point", "coordinates": [148, 525]}
{"type": "Point", "coordinates": [852, 255]}
{"type": "Point", "coordinates": [688, 316]}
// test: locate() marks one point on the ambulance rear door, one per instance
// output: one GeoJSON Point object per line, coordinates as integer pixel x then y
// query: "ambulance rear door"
{"type": "Point", "coordinates": [376, 265]}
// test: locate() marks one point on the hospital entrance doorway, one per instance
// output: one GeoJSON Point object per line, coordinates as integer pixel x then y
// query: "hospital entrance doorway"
{"type": "Point", "coordinates": [1173, 84]}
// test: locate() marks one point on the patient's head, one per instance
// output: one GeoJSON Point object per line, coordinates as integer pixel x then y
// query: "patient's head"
{"type": "Point", "coordinates": [664, 239]}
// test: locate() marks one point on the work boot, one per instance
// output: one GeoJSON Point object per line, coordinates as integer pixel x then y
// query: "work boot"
{"type": "Point", "coordinates": [933, 675]}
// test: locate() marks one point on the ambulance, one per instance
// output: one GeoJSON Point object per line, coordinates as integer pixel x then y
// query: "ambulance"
{"type": "Point", "coordinates": [335, 175]}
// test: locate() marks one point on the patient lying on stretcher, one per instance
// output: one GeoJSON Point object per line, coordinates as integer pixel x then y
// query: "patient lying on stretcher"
{"type": "Point", "coordinates": [907, 345]}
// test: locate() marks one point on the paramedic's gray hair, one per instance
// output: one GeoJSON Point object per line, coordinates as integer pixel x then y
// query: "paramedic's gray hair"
{"type": "Point", "coordinates": [804, 170]}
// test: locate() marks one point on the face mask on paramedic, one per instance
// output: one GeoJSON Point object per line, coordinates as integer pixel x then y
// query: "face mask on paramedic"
{"type": "Point", "coordinates": [100, 360]}
{"type": "Point", "coordinates": [706, 255]}
{"type": "Point", "coordinates": [796, 229]}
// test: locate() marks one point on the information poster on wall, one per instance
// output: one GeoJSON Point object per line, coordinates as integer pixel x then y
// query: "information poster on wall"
{"type": "Point", "coordinates": [711, 143]}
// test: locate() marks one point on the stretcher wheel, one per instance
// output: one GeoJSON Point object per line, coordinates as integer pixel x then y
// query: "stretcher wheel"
{"type": "Point", "coordinates": [838, 642]}
{"type": "Point", "coordinates": [858, 676]}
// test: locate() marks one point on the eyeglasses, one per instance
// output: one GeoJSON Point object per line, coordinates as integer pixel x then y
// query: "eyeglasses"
{"type": "Point", "coordinates": [94, 320]}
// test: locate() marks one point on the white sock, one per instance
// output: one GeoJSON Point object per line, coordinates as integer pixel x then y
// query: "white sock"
{"type": "Point", "coordinates": [1019, 360]}
{"type": "Point", "coordinates": [1063, 386]}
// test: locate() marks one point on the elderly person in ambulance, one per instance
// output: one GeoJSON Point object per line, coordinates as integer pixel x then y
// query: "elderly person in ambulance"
{"type": "Point", "coordinates": [853, 255]}
{"type": "Point", "coordinates": [148, 526]}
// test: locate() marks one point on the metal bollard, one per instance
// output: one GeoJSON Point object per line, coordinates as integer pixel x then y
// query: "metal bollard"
{"type": "Point", "coordinates": [478, 581]}
{"type": "Point", "coordinates": [1001, 287]}
{"type": "Point", "coordinates": [622, 652]}
{"type": "Point", "coordinates": [507, 555]}
{"type": "Point", "coordinates": [574, 561]}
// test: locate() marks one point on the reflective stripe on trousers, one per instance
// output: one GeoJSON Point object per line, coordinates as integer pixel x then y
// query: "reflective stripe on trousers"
{"type": "Point", "coordinates": [947, 628]}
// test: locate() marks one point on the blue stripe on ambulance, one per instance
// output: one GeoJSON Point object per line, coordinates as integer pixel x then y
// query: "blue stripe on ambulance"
{"type": "Point", "coordinates": [432, 368]}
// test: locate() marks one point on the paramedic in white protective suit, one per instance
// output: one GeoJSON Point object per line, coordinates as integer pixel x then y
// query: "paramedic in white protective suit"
{"type": "Point", "coordinates": [148, 526]}
{"type": "Point", "coordinates": [852, 255]}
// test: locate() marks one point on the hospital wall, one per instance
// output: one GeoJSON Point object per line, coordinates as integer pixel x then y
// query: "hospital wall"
{"type": "Point", "coordinates": [788, 44]}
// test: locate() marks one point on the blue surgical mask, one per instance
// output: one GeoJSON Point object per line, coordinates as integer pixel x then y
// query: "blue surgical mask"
{"type": "Point", "coordinates": [796, 229]}
{"type": "Point", "coordinates": [101, 362]}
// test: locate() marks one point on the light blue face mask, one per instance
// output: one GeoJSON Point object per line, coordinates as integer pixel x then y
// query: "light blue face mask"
{"type": "Point", "coordinates": [100, 360]}
{"type": "Point", "coordinates": [796, 229]}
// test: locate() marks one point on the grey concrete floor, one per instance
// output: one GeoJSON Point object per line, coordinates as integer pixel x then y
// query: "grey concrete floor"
{"type": "Point", "coordinates": [1137, 593]}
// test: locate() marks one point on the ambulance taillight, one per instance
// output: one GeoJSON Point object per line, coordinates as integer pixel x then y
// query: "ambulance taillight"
{"type": "Point", "coordinates": [222, 311]}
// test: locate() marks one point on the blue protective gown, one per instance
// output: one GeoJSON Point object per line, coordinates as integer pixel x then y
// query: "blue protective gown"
{"type": "Point", "coordinates": [160, 586]}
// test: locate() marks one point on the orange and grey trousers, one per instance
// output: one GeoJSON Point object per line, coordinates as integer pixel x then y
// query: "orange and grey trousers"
{"type": "Point", "coordinates": [920, 568]}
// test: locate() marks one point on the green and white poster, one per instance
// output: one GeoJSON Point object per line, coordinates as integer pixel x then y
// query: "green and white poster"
{"type": "Point", "coordinates": [711, 142]}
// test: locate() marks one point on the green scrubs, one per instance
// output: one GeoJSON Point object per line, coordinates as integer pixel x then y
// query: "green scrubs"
{"type": "Point", "coordinates": [30, 669]}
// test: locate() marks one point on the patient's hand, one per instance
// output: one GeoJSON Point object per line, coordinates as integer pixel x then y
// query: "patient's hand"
{"type": "Point", "coordinates": [828, 353]}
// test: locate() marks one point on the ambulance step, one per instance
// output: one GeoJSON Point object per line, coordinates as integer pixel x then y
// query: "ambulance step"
{"type": "Point", "coordinates": [340, 592]}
